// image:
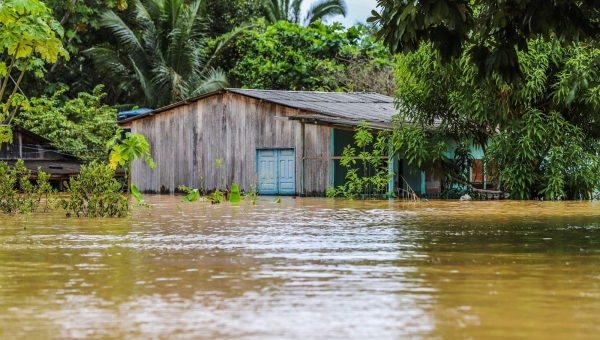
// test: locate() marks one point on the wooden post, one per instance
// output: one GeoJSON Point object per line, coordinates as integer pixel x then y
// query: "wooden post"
{"type": "Point", "coordinates": [484, 174]}
{"type": "Point", "coordinates": [303, 132]}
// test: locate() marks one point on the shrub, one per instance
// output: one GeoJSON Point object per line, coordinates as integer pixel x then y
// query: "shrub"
{"type": "Point", "coordinates": [95, 193]}
{"type": "Point", "coordinates": [18, 195]}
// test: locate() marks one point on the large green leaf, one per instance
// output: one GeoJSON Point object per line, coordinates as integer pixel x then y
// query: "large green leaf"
{"type": "Point", "coordinates": [234, 196]}
{"type": "Point", "coordinates": [136, 193]}
{"type": "Point", "coordinates": [193, 196]}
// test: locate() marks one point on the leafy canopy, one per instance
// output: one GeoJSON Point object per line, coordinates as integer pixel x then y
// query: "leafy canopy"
{"type": "Point", "coordinates": [491, 32]}
{"type": "Point", "coordinates": [540, 137]}
{"type": "Point", "coordinates": [27, 30]}
{"type": "Point", "coordinates": [287, 56]}
{"type": "Point", "coordinates": [79, 126]}
{"type": "Point", "coordinates": [80, 20]}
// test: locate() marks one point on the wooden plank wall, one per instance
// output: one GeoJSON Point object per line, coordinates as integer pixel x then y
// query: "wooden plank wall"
{"type": "Point", "coordinates": [186, 141]}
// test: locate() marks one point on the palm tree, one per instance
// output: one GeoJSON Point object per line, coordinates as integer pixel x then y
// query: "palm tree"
{"type": "Point", "coordinates": [161, 58]}
{"type": "Point", "coordinates": [289, 10]}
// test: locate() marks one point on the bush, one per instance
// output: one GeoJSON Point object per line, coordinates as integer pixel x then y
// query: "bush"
{"type": "Point", "coordinates": [95, 193]}
{"type": "Point", "coordinates": [29, 198]}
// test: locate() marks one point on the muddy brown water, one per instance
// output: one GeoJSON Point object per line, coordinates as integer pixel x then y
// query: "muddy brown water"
{"type": "Point", "coordinates": [306, 269]}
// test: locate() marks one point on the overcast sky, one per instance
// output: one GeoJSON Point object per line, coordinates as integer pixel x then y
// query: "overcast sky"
{"type": "Point", "coordinates": [358, 10]}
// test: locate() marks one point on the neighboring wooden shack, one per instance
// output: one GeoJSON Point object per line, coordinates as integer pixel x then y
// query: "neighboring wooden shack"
{"type": "Point", "coordinates": [283, 142]}
{"type": "Point", "coordinates": [37, 151]}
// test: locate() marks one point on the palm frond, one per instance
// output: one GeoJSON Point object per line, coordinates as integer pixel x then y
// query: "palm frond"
{"type": "Point", "coordinates": [213, 80]}
{"type": "Point", "coordinates": [107, 60]}
{"type": "Point", "coordinates": [147, 10]}
{"type": "Point", "coordinates": [183, 40]}
{"type": "Point", "coordinates": [270, 9]}
{"type": "Point", "coordinates": [161, 56]}
{"type": "Point", "coordinates": [323, 9]}
{"type": "Point", "coordinates": [127, 39]}
{"type": "Point", "coordinates": [145, 85]}
{"type": "Point", "coordinates": [294, 15]}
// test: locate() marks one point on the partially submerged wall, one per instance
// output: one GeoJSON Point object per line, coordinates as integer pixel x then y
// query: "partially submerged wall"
{"type": "Point", "coordinates": [187, 140]}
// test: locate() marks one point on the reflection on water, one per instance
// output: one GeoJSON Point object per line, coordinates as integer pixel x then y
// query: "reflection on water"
{"type": "Point", "coordinates": [306, 268]}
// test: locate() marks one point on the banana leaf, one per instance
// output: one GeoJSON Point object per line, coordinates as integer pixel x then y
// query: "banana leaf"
{"type": "Point", "coordinates": [136, 193]}
{"type": "Point", "coordinates": [193, 196]}
{"type": "Point", "coordinates": [234, 196]}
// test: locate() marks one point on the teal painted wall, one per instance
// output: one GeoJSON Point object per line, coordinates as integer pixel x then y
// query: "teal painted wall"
{"type": "Point", "coordinates": [412, 177]}
{"type": "Point", "coordinates": [477, 152]}
{"type": "Point", "coordinates": [341, 139]}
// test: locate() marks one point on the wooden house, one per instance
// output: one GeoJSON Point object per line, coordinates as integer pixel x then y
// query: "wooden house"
{"type": "Point", "coordinates": [37, 151]}
{"type": "Point", "coordinates": [282, 142]}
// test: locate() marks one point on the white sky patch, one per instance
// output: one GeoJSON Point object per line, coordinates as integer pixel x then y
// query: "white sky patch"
{"type": "Point", "coordinates": [358, 11]}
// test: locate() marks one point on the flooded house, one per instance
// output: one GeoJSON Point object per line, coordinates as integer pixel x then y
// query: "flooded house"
{"type": "Point", "coordinates": [280, 142]}
{"type": "Point", "coordinates": [37, 151]}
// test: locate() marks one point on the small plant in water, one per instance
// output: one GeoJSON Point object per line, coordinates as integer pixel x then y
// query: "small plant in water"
{"type": "Point", "coordinates": [95, 193]}
{"type": "Point", "coordinates": [139, 198]}
{"type": "Point", "coordinates": [252, 194]}
{"type": "Point", "coordinates": [235, 197]}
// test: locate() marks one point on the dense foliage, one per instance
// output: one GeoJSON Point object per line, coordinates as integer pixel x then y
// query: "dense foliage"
{"type": "Point", "coordinates": [224, 16]}
{"type": "Point", "coordinates": [287, 56]}
{"type": "Point", "coordinates": [541, 138]}
{"type": "Point", "coordinates": [80, 22]}
{"type": "Point", "coordinates": [489, 32]}
{"type": "Point", "coordinates": [153, 52]}
{"type": "Point", "coordinates": [79, 126]}
{"type": "Point", "coordinates": [29, 37]}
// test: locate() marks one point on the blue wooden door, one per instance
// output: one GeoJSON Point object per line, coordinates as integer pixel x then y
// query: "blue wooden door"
{"type": "Point", "coordinates": [276, 171]}
{"type": "Point", "coordinates": [267, 172]}
{"type": "Point", "coordinates": [287, 172]}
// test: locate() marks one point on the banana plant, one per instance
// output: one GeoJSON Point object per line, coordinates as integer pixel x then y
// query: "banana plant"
{"type": "Point", "coordinates": [125, 151]}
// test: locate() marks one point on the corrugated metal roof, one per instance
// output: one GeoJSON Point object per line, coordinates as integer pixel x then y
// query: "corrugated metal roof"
{"type": "Point", "coordinates": [356, 106]}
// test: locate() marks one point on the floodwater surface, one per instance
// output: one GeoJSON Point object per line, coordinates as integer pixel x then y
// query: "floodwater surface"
{"type": "Point", "coordinates": [306, 269]}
